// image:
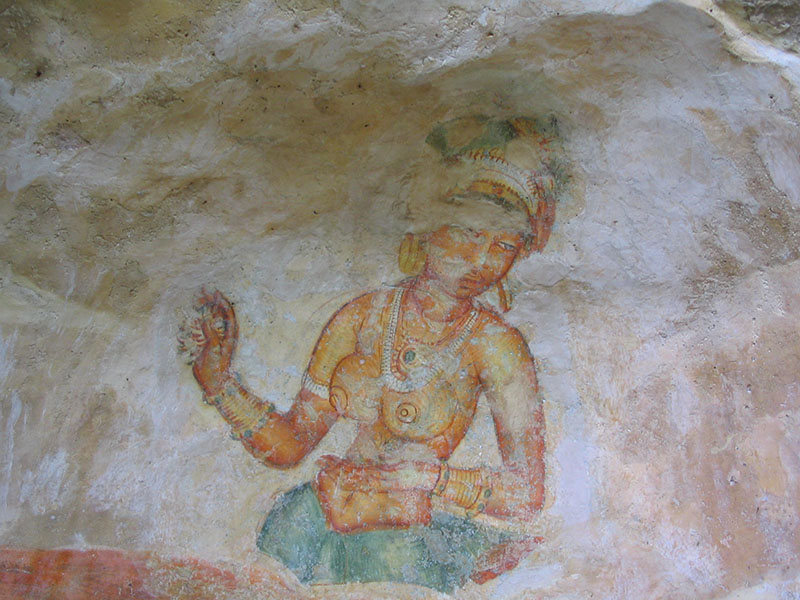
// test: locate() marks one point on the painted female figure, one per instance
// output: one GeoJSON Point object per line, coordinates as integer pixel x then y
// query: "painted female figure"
{"type": "Point", "coordinates": [408, 364]}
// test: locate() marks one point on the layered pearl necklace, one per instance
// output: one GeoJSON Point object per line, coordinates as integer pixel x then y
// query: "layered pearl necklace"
{"type": "Point", "coordinates": [435, 361]}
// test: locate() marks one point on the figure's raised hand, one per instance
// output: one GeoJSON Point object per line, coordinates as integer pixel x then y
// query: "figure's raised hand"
{"type": "Point", "coordinates": [217, 320]}
{"type": "Point", "coordinates": [210, 340]}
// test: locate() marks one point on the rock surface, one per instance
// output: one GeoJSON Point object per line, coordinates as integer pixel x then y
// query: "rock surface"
{"type": "Point", "coordinates": [276, 151]}
{"type": "Point", "coordinates": [775, 19]}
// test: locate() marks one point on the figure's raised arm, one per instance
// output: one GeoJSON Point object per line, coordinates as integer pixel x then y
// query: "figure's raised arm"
{"type": "Point", "coordinates": [277, 439]}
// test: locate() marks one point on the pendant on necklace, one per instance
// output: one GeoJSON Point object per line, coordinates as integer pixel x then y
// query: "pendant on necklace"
{"type": "Point", "coordinates": [414, 360]}
{"type": "Point", "coordinates": [421, 363]}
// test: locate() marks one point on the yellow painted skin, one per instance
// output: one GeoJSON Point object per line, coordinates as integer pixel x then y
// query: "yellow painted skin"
{"type": "Point", "coordinates": [387, 476]}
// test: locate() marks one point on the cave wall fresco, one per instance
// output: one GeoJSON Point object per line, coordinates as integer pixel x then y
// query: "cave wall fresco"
{"type": "Point", "coordinates": [153, 150]}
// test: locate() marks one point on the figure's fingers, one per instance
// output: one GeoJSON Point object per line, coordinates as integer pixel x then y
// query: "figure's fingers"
{"type": "Point", "coordinates": [210, 303]}
{"type": "Point", "coordinates": [210, 300]}
{"type": "Point", "coordinates": [204, 299]}
{"type": "Point", "coordinates": [225, 305]}
{"type": "Point", "coordinates": [383, 479]}
{"type": "Point", "coordinates": [207, 327]}
{"type": "Point", "coordinates": [392, 467]}
{"type": "Point", "coordinates": [219, 325]}
{"type": "Point", "coordinates": [226, 312]}
{"type": "Point", "coordinates": [207, 305]}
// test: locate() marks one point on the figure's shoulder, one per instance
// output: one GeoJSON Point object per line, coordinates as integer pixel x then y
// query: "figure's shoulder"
{"type": "Point", "coordinates": [365, 306]}
{"type": "Point", "coordinates": [501, 352]}
{"type": "Point", "coordinates": [493, 332]}
{"type": "Point", "coordinates": [371, 300]}
{"type": "Point", "coordinates": [491, 323]}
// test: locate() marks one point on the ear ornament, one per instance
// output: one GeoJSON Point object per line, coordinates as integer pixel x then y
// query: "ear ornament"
{"type": "Point", "coordinates": [412, 254]}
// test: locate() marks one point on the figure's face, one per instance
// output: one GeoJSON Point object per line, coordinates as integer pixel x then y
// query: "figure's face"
{"type": "Point", "coordinates": [467, 262]}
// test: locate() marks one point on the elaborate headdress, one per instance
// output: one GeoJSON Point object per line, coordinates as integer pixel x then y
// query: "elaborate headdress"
{"type": "Point", "coordinates": [530, 180]}
{"type": "Point", "coordinates": [513, 162]}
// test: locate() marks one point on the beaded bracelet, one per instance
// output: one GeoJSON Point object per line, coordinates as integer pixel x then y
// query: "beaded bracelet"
{"type": "Point", "coordinates": [441, 481]}
{"type": "Point", "coordinates": [237, 433]}
{"type": "Point", "coordinates": [244, 416]}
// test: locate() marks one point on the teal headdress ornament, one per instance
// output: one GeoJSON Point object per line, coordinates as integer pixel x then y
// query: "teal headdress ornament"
{"type": "Point", "coordinates": [530, 180]}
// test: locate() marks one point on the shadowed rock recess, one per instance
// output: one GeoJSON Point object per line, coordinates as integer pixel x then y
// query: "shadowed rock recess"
{"type": "Point", "coordinates": [279, 151]}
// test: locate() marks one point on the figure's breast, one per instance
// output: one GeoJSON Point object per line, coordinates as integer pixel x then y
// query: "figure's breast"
{"type": "Point", "coordinates": [410, 389]}
{"type": "Point", "coordinates": [430, 411]}
{"type": "Point", "coordinates": [447, 400]}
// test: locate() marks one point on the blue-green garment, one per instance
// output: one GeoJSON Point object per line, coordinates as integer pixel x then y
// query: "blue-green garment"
{"type": "Point", "coordinates": [440, 555]}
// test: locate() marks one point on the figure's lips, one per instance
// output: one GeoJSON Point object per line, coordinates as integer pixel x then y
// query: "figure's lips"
{"type": "Point", "coordinates": [473, 278]}
{"type": "Point", "coordinates": [472, 282]}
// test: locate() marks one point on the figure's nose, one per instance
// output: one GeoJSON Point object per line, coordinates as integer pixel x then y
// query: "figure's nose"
{"type": "Point", "coordinates": [491, 262]}
{"type": "Point", "coordinates": [485, 258]}
{"type": "Point", "coordinates": [481, 253]}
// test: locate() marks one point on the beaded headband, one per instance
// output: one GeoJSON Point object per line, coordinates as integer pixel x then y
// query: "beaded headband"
{"type": "Point", "coordinates": [491, 173]}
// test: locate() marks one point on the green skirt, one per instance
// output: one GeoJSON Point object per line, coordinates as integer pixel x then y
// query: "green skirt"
{"type": "Point", "coordinates": [440, 555]}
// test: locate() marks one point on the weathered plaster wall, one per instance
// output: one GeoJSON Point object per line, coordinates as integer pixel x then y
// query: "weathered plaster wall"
{"type": "Point", "coordinates": [276, 151]}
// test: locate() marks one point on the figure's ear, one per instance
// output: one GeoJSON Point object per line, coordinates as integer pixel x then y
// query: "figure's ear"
{"type": "Point", "coordinates": [412, 254]}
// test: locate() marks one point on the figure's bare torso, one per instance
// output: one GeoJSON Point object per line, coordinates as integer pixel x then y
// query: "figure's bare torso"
{"type": "Point", "coordinates": [398, 420]}
{"type": "Point", "coordinates": [409, 372]}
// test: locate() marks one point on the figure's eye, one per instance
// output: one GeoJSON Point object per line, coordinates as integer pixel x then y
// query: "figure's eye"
{"type": "Point", "coordinates": [507, 246]}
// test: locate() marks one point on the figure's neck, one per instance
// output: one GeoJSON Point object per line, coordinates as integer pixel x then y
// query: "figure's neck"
{"type": "Point", "coordinates": [433, 302]}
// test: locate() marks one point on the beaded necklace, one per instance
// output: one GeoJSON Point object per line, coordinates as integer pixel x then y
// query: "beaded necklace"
{"type": "Point", "coordinates": [418, 376]}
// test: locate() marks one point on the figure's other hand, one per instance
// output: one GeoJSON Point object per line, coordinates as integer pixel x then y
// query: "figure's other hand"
{"type": "Point", "coordinates": [408, 476]}
{"type": "Point", "coordinates": [366, 497]}
{"type": "Point", "coordinates": [348, 476]}
{"type": "Point", "coordinates": [214, 334]}
{"type": "Point", "coordinates": [397, 477]}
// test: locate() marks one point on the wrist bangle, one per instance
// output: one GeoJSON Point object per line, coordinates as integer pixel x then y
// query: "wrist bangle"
{"type": "Point", "coordinates": [467, 488]}
{"type": "Point", "coordinates": [318, 389]}
{"type": "Point", "coordinates": [480, 502]}
{"type": "Point", "coordinates": [441, 481]}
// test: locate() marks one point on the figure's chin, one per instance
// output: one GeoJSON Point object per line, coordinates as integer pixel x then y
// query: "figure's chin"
{"type": "Point", "coordinates": [465, 292]}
